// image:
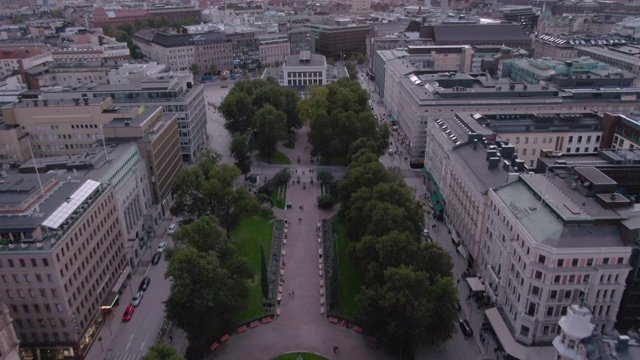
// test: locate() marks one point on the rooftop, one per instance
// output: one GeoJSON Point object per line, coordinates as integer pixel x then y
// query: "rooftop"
{"type": "Point", "coordinates": [540, 220]}
{"type": "Point", "coordinates": [509, 122]}
{"type": "Point", "coordinates": [305, 58]}
{"type": "Point", "coordinates": [479, 32]}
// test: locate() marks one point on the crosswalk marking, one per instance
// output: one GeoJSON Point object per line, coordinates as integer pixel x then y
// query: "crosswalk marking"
{"type": "Point", "coordinates": [125, 355]}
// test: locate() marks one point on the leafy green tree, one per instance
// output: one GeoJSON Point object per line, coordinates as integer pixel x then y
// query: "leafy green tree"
{"type": "Point", "coordinates": [162, 352]}
{"type": "Point", "coordinates": [238, 111]}
{"type": "Point", "coordinates": [241, 152]}
{"type": "Point", "coordinates": [368, 145]}
{"type": "Point", "coordinates": [208, 189]}
{"type": "Point", "coordinates": [406, 307]}
{"type": "Point", "coordinates": [271, 127]}
{"type": "Point", "coordinates": [204, 234]}
{"type": "Point", "coordinates": [195, 69]}
{"type": "Point", "coordinates": [364, 171]}
{"type": "Point", "coordinates": [326, 201]}
{"type": "Point", "coordinates": [207, 294]}
{"type": "Point", "coordinates": [325, 177]}
{"type": "Point", "coordinates": [264, 274]}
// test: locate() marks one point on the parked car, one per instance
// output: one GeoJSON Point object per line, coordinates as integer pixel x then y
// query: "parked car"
{"type": "Point", "coordinates": [144, 284]}
{"type": "Point", "coordinates": [137, 298]}
{"type": "Point", "coordinates": [465, 327]}
{"type": "Point", "coordinates": [161, 247]}
{"type": "Point", "coordinates": [172, 228]}
{"type": "Point", "coordinates": [128, 313]}
{"type": "Point", "coordinates": [156, 258]}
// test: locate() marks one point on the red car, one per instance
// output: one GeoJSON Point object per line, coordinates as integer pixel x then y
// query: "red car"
{"type": "Point", "coordinates": [128, 313]}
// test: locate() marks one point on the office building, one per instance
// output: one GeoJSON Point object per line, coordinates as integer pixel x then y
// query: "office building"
{"type": "Point", "coordinates": [274, 48]}
{"type": "Point", "coordinates": [582, 72]}
{"type": "Point", "coordinates": [413, 97]}
{"type": "Point", "coordinates": [245, 47]}
{"type": "Point", "coordinates": [339, 42]}
{"type": "Point", "coordinates": [300, 39]}
{"type": "Point", "coordinates": [17, 61]}
{"type": "Point", "coordinates": [511, 35]}
{"type": "Point", "coordinates": [523, 15]}
{"type": "Point", "coordinates": [174, 92]}
{"type": "Point", "coordinates": [621, 131]}
{"type": "Point", "coordinates": [625, 58]}
{"type": "Point", "coordinates": [123, 167]}
{"type": "Point", "coordinates": [63, 258]}
{"type": "Point", "coordinates": [70, 73]}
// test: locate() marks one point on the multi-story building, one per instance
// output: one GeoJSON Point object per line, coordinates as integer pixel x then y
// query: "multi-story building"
{"type": "Point", "coordinates": [274, 48]}
{"type": "Point", "coordinates": [491, 59]}
{"type": "Point", "coordinates": [361, 6]}
{"type": "Point", "coordinates": [101, 17]}
{"type": "Point", "coordinates": [245, 47]}
{"type": "Point", "coordinates": [304, 69]}
{"type": "Point", "coordinates": [550, 241]}
{"type": "Point", "coordinates": [17, 61]}
{"type": "Point", "coordinates": [9, 343]}
{"type": "Point", "coordinates": [300, 39]}
{"type": "Point", "coordinates": [135, 73]}
{"type": "Point", "coordinates": [396, 41]}
{"type": "Point", "coordinates": [564, 47]}
{"type": "Point", "coordinates": [523, 15]}
{"type": "Point", "coordinates": [174, 92]}
{"type": "Point", "coordinates": [70, 73]}
{"type": "Point", "coordinates": [413, 97]}
{"type": "Point", "coordinates": [532, 134]}
{"type": "Point", "coordinates": [339, 41]}
{"type": "Point", "coordinates": [157, 137]}
{"type": "Point", "coordinates": [123, 167]}
{"type": "Point", "coordinates": [626, 58]}
{"type": "Point", "coordinates": [63, 258]}
{"type": "Point", "coordinates": [621, 132]}
{"type": "Point", "coordinates": [580, 72]}
{"type": "Point", "coordinates": [510, 35]}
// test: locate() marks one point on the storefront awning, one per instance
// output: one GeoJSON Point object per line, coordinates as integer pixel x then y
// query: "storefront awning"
{"type": "Point", "coordinates": [109, 301]}
{"type": "Point", "coordinates": [121, 279]}
{"type": "Point", "coordinates": [475, 284]}
{"type": "Point", "coordinates": [462, 251]}
{"type": "Point", "coordinates": [507, 341]}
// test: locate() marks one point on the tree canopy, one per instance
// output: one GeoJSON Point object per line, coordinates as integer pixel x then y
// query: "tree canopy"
{"type": "Point", "coordinates": [408, 288]}
{"type": "Point", "coordinates": [208, 189]}
{"type": "Point", "coordinates": [338, 115]}
{"type": "Point", "coordinates": [209, 282]}
{"type": "Point", "coordinates": [162, 352]}
{"type": "Point", "coordinates": [247, 97]}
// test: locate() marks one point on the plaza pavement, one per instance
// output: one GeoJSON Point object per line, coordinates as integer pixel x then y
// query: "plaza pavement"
{"type": "Point", "coordinates": [300, 326]}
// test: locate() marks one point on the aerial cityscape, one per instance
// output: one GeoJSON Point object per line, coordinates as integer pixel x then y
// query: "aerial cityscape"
{"type": "Point", "coordinates": [357, 179]}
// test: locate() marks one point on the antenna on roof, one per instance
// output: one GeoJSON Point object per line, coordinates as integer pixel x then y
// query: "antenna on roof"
{"type": "Point", "coordinates": [35, 166]}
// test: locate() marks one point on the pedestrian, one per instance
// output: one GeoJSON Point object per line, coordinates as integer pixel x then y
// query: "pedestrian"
{"type": "Point", "coordinates": [335, 349]}
{"type": "Point", "coordinates": [170, 338]}
{"type": "Point", "coordinates": [293, 293]}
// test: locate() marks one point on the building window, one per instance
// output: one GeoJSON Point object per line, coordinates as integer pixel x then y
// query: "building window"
{"type": "Point", "coordinates": [531, 309]}
{"type": "Point", "coordinates": [570, 140]}
{"type": "Point", "coordinates": [538, 275]}
{"type": "Point", "coordinates": [589, 262]}
{"type": "Point", "coordinates": [556, 279]}
{"type": "Point", "coordinates": [553, 294]}
{"type": "Point", "coordinates": [524, 330]}
{"type": "Point", "coordinates": [560, 262]}
{"type": "Point", "coordinates": [574, 262]}
{"type": "Point", "coordinates": [542, 259]}
{"type": "Point", "coordinates": [549, 311]}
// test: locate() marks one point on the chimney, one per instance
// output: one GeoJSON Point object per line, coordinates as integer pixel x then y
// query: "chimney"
{"type": "Point", "coordinates": [494, 162]}
{"type": "Point", "coordinates": [519, 165]}
{"type": "Point", "coordinates": [491, 154]}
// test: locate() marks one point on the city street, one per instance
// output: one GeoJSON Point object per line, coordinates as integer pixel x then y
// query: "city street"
{"type": "Point", "coordinates": [131, 340]}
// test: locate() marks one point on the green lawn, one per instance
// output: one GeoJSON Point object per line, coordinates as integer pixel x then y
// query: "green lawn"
{"type": "Point", "coordinates": [280, 203]}
{"type": "Point", "coordinates": [278, 158]}
{"type": "Point", "coordinates": [247, 237]}
{"type": "Point", "coordinates": [304, 356]}
{"type": "Point", "coordinates": [349, 276]}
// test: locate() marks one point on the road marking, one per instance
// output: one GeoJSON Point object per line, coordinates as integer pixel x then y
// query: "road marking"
{"type": "Point", "coordinates": [143, 342]}
{"type": "Point", "coordinates": [129, 343]}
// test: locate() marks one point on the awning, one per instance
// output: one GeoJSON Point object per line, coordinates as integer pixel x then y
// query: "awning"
{"type": "Point", "coordinates": [121, 279]}
{"type": "Point", "coordinates": [462, 251]}
{"type": "Point", "coordinates": [475, 284]}
{"type": "Point", "coordinates": [507, 341]}
{"type": "Point", "coordinates": [109, 301]}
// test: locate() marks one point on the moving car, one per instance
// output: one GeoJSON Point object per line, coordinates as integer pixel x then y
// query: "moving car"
{"type": "Point", "coordinates": [465, 327]}
{"type": "Point", "coordinates": [162, 246]}
{"type": "Point", "coordinates": [172, 228]}
{"type": "Point", "coordinates": [156, 258]}
{"type": "Point", "coordinates": [137, 298]}
{"type": "Point", "coordinates": [144, 284]}
{"type": "Point", "coordinates": [128, 313]}
{"type": "Point", "coordinates": [425, 233]}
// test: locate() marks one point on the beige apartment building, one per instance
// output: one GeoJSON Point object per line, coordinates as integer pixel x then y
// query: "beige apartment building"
{"type": "Point", "coordinates": [274, 48]}
{"type": "Point", "coordinates": [62, 258]}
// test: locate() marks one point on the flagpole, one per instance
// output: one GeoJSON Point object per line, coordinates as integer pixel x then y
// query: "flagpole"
{"type": "Point", "coordinates": [35, 166]}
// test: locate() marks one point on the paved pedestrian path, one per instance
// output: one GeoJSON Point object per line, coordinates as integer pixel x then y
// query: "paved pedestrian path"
{"type": "Point", "coordinates": [300, 326]}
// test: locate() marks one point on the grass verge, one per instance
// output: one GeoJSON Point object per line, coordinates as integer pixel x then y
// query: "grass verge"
{"type": "Point", "coordinates": [350, 279]}
{"type": "Point", "coordinates": [247, 237]}
{"type": "Point", "coordinates": [278, 158]}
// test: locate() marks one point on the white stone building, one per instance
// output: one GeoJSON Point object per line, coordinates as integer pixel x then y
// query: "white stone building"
{"type": "Point", "coordinates": [304, 69]}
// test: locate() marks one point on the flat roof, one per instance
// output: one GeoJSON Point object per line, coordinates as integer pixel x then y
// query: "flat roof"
{"type": "Point", "coordinates": [595, 176]}
{"type": "Point", "coordinates": [64, 211]}
{"type": "Point", "coordinates": [542, 223]}
{"type": "Point", "coordinates": [306, 59]}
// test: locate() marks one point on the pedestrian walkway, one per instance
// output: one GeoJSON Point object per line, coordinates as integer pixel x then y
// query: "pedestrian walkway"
{"type": "Point", "coordinates": [300, 326]}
